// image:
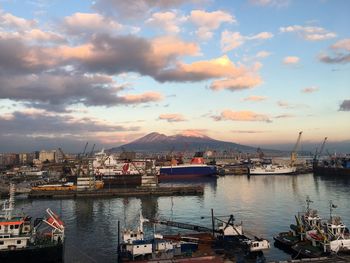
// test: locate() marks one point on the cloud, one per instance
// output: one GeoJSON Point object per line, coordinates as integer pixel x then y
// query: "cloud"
{"type": "Point", "coordinates": [241, 116]}
{"type": "Point", "coordinates": [124, 10]}
{"type": "Point", "coordinates": [263, 54]}
{"type": "Point", "coordinates": [309, 33]}
{"type": "Point", "coordinates": [201, 133]}
{"type": "Point", "coordinates": [168, 21]}
{"type": "Point", "coordinates": [291, 60]}
{"type": "Point", "coordinates": [248, 131]}
{"type": "Point", "coordinates": [341, 53]}
{"type": "Point", "coordinates": [43, 90]}
{"type": "Point", "coordinates": [174, 117]}
{"type": "Point", "coordinates": [33, 129]}
{"type": "Point", "coordinates": [255, 98]}
{"type": "Point", "coordinates": [345, 106]}
{"type": "Point", "coordinates": [276, 3]}
{"type": "Point", "coordinates": [90, 23]}
{"type": "Point", "coordinates": [287, 105]}
{"type": "Point", "coordinates": [207, 22]}
{"type": "Point", "coordinates": [236, 83]}
{"type": "Point", "coordinates": [342, 44]}
{"type": "Point", "coordinates": [8, 20]}
{"type": "Point", "coordinates": [310, 89]}
{"type": "Point", "coordinates": [232, 77]}
{"type": "Point", "coordinates": [284, 116]}
{"type": "Point", "coordinates": [231, 40]}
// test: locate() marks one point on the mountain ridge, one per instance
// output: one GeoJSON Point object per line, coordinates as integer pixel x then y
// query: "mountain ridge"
{"type": "Point", "coordinates": [157, 142]}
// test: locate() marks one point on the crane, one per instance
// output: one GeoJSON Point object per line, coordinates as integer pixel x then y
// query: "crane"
{"type": "Point", "coordinates": [318, 154]}
{"type": "Point", "coordinates": [293, 155]}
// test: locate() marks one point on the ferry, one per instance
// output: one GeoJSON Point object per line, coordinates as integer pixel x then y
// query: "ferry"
{"type": "Point", "coordinates": [196, 169]}
{"type": "Point", "coordinates": [22, 241]}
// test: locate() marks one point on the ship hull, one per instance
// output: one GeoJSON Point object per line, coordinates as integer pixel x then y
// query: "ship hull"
{"type": "Point", "coordinates": [184, 172]}
{"type": "Point", "coordinates": [331, 171]}
{"type": "Point", "coordinates": [126, 180]}
{"type": "Point", "coordinates": [37, 254]}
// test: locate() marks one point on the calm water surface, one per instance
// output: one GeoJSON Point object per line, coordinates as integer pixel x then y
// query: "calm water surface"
{"type": "Point", "coordinates": [265, 204]}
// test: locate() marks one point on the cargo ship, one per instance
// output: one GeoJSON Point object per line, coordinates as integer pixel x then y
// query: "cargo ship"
{"type": "Point", "coordinates": [22, 241]}
{"type": "Point", "coordinates": [119, 172]}
{"type": "Point", "coordinates": [196, 169]}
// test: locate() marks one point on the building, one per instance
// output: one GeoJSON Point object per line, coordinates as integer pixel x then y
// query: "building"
{"type": "Point", "coordinates": [45, 156]}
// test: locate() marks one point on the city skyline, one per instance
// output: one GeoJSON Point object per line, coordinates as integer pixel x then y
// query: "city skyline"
{"type": "Point", "coordinates": [254, 72]}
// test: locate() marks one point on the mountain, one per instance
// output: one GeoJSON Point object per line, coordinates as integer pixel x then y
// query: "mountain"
{"type": "Point", "coordinates": [157, 142]}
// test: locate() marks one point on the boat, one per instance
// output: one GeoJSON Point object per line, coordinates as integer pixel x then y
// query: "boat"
{"type": "Point", "coordinates": [196, 169]}
{"type": "Point", "coordinates": [309, 220]}
{"type": "Point", "coordinates": [272, 169]}
{"type": "Point", "coordinates": [331, 238]}
{"type": "Point", "coordinates": [231, 234]}
{"type": "Point", "coordinates": [337, 166]}
{"type": "Point", "coordinates": [121, 172]}
{"type": "Point", "coordinates": [136, 248]}
{"type": "Point", "coordinates": [22, 241]}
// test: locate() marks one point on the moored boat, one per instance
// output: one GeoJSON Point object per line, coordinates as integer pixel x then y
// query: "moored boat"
{"type": "Point", "coordinates": [309, 220]}
{"type": "Point", "coordinates": [136, 248]}
{"type": "Point", "coordinates": [22, 241]}
{"type": "Point", "coordinates": [272, 169]}
{"type": "Point", "coordinates": [331, 238]}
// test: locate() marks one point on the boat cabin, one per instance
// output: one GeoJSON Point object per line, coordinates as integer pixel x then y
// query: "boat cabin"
{"type": "Point", "coordinates": [258, 245]}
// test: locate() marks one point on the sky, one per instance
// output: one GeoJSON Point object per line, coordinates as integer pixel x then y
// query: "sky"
{"type": "Point", "coordinates": [254, 72]}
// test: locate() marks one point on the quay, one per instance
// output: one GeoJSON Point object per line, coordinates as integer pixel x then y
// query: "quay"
{"type": "Point", "coordinates": [119, 192]}
{"type": "Point", "coordinates": [336, 259]}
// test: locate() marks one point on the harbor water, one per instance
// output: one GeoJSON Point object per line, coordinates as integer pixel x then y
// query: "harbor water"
{"type": "Point", "coordinates": [265, 204]}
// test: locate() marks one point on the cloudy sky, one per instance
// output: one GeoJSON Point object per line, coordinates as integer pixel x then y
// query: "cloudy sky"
{"type": "Point", "coordinates": [254, 72]}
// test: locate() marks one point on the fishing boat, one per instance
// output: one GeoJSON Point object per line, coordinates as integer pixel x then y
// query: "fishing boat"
{"type": "Point", "coordinates": [309, 220]}
{"type": "Point", "coordinates": [136, 248]}
{"type": "Point", "coordinates": [22, 241]}
{"type": "Point", "coordinates": [272, 169]}
{"type": "Point", "coordinates": [196, 169]}
{"type": "Point", "coordinates": [331, 238]}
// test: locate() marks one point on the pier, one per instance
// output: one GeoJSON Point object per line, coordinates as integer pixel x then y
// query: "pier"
{"type": "Point", "coordinates": [120, 192]}
{"type": "Point", "coordinates": [336, 259]}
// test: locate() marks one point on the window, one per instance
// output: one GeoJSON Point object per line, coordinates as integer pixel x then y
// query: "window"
{"type": "Point", "coordinates": [11, 226]}
{"type": "Point", "coordinates": [19, 241]}
{"type": "Point", "coordinates": [1, 242]}
{"type": "Point", "coordinates": [16, 226]}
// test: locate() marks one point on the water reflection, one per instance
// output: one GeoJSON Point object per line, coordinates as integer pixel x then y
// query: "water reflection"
{"type": "Point", "coordinates": [265, 204]}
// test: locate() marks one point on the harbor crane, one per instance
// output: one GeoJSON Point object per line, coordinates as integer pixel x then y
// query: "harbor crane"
{"type": "Point", "coordinates": [293, 155]}
{"type": "Point", "coordinates": [318, 154]}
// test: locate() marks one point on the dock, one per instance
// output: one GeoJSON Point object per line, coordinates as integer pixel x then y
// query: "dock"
{"type": "Point", "coordinates": [119, 192]}
{"type": "Point", "coordinates": [335, 259]}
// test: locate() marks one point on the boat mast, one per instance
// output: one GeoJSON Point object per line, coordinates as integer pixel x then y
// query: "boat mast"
{"type": "Point", "coordinates": [331, 206]}
{"type": "Point", "coordinates": [308, 201]}
{"type": "Point", "coordinates": [10, 203]}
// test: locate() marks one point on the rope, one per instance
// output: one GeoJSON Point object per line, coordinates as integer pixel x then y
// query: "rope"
{"type": "Point", "coordinates": [297, 254]}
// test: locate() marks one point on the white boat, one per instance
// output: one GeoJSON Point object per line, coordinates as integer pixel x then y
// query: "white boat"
{"type": "Point", "coordinates": [22, 241]}
{"type": "Point", "coordinates": [271, 169]}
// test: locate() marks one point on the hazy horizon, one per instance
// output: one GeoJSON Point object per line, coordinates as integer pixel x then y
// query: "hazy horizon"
{"type": "Point", "coordinates": [253, 72]}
